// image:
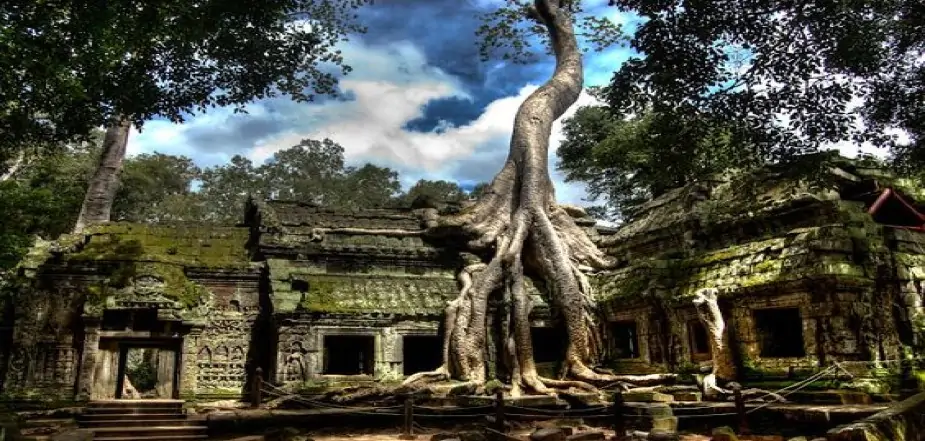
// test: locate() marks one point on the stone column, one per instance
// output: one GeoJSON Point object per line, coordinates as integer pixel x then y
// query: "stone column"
{"type": "Point", "coordinates": [388, 353]}
{"type": "Point", "coordinates": [89, 358]}
{"type": "Point", "coordinates": [106, 371]}
{"type": "Point", "coordinates": [166, 368]}
{"type": "Point", "coordinates": [189, 363]}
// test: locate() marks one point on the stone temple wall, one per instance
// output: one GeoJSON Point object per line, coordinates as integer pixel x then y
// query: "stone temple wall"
{"type": "Point", "coordinates": [815, 267]}
{"type": "Point", "coordinates": [314, 296]}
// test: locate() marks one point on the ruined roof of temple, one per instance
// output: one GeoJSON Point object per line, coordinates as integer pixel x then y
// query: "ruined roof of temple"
{"type": "Point", "coordinates": [763, 231]}
{"type": "Point", "coordinates": [294, 229]}
{"type": "Point", "coordinates": [119, 253]}
{"type": "Point", "coordinates": [719, 202]}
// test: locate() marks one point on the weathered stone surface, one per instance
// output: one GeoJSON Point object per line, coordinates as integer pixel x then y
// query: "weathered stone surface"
{"type": "Point", "coordinates": [472, 435]}
{"type": "Point", "coordinates": [687, 396]}
{"type": "Point", "coordinates": [73, 435]}
{"type": "Point", "coordinates": [769, 241]}
{"type": "Point", "coordinates": [724, 434]}
{"type": "Point", "coordinates": [647, 397]}
{"type": "Point", "coordinates": [442, 436]}
{"type": "Point", "coordinates": [587, 435]}
{"type": "Point", "coordinates": [548, 434]}
{"type": "Point", "coordinates": [662, 435]}
{"type": "Point", "coordinates": [903, 421]}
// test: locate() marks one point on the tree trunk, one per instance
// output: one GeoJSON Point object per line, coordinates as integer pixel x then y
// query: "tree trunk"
{"type": "Point", "coordinates": [14, 166]}
{"type": "Point", "coordinates": [102, 189]}
{"type": "Point", "coordinates": [518, 222]}
{"type": "Point", "coordinates": [724, 368]}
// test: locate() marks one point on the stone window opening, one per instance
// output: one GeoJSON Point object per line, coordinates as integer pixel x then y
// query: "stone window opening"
{"type": "Point", "coordinates": [780, 332]}
{"type": "Point", "coordinates": [349, 354]}
{"type": "Point", "coordinates": [625, 339]}
{"type": "Point", "coordinates": [421, 353]}
{"type": "Point", "coordinates": [299, 286]}
{"type": "Point", "coordinates": [698, 341]}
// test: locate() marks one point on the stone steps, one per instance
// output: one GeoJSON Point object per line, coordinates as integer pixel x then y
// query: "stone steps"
{"type": "Point", "coordinates": [141, 420]}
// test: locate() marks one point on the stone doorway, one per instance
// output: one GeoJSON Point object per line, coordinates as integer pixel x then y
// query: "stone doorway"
{"type": "Point", "coordinates": [148, 370]}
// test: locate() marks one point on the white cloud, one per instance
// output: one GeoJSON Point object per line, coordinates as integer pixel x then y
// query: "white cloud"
{"type": "Point", "coordinates": [389, 88]}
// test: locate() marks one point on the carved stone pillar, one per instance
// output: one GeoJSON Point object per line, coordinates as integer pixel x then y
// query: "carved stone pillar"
{"type": "Point", "coordinates": [89, 358]}
{"type": "Point", "coordinates": [189, 364]}
{"type": "Point", "coordinates": [166, 367]}
{"type": "Point", "coordinates": [388, 355]}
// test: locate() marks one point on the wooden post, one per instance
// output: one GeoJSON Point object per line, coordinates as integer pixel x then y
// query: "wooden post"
{"type": "Point", "coordinates": [499, 410]}
{"type": "Point", "coordinates": [257, 389]}
{"type": "Point", "coordinates": [619, 421]}
{"type": "Point", "coordinates": [740, 409]}
{"type": "Point", "coordinates": [408, 426]}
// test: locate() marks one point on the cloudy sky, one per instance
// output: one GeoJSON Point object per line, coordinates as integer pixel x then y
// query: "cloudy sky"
{"type": "Point", "coordinates": [419, 100]}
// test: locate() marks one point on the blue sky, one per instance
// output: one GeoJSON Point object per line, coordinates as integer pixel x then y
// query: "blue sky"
{"type": "Point", "coordinates": [419, 100]}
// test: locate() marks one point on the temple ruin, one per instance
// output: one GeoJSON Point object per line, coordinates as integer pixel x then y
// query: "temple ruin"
{"type": "Point", "coordinates": [809, 270]}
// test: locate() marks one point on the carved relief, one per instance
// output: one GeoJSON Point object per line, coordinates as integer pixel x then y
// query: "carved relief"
{"type": "Point", "coordinates": [296, 362]}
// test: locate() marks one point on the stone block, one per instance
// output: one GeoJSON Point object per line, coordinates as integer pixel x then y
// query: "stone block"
{"type": "Point", "coordinates": [724, 434]}
{"type": "Point", "coordinates": [661, 435]}
{"type": "Point", "coordinates": [647, 397]}
{"type": "Point", "coordinates": [668, 424]}
{"type": "Point", "coordinates": [687, 396]}
{"type": "Point", "coordinates": [648, 410]}
{"type": "Point", "coordinates": [548, 434]}
{"type": "Point", "coordinates": [902, 421]}
{"type": "Point", "coordinates": [472, 435]}
{"type": "Point", "coordinates": [588, 435]}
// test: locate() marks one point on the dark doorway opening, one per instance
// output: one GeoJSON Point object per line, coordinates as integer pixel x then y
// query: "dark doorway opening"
{"type": "Point", "coordinates": [625, 339]}
{"type": "Point", "coordinates": [548, 344]}
{"type": "Point", "coordinates": [147, 370]}
{"type": "Point", "coordinates": [698, 341]}
{"type": "Point", "coordinates": [780, 332]}
{"type": "Point", "coordinates": [421, 353]}
{"type": "Point", "coordinates": [349, 354]}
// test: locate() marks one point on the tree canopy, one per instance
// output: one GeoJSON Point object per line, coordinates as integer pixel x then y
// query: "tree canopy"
{"type": "Point", "coordinates": [71, 66]}
{"type": "Point", "coordinates": [783, 77]}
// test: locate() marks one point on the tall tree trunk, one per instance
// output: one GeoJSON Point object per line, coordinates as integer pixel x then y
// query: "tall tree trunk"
{"type": "Point", "coordinates": [102, 189]}
{"type": "Point", "coordinates": [15, 165]}
{"type": "Point", "coordinates": [518, 221]}
{"type": "Point", "coordinates": [724, 368]}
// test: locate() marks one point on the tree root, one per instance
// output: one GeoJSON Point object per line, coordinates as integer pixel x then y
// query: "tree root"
{"type": "Point", "coordinates": [518, 223]}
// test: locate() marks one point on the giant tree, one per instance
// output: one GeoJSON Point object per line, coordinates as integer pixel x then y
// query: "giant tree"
{"type": "Point", "coordinates": [517, 230]}
{"type": "Point", "coordinates": [75, 65]}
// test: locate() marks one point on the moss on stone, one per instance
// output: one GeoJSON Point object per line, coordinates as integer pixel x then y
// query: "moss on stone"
{"type": "Point", "coordinates": [186, 245]}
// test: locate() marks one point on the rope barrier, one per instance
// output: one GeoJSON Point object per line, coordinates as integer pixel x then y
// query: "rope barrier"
{"type": "Point", "coordinates": [806, 382]}
{"type": "Point", "coordinates": [590, 412]}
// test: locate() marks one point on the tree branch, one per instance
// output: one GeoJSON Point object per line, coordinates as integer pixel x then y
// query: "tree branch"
{"type": "Point", "coordinates": [14, 166]}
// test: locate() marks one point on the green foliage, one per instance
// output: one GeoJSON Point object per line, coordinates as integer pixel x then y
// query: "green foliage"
{"type": "Point", "coordinates": [512, 31]}
{"type": "Point", "coordinates": [748, 63]}
{"type": "Point", "coordinates": [157, 187]}
{"type": "Point", "coordinates": [42, 200]}
{"type": "Point", "coordinates": [627, 161]}
{"type": "Point", "coordinates": [440, 191]}
{"type": "Point", "coordinates": [143, 376]}
{"type": "Point", "coordinates": [225, 189]}
{"type": "Point", "coordinates": [79, 64]}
